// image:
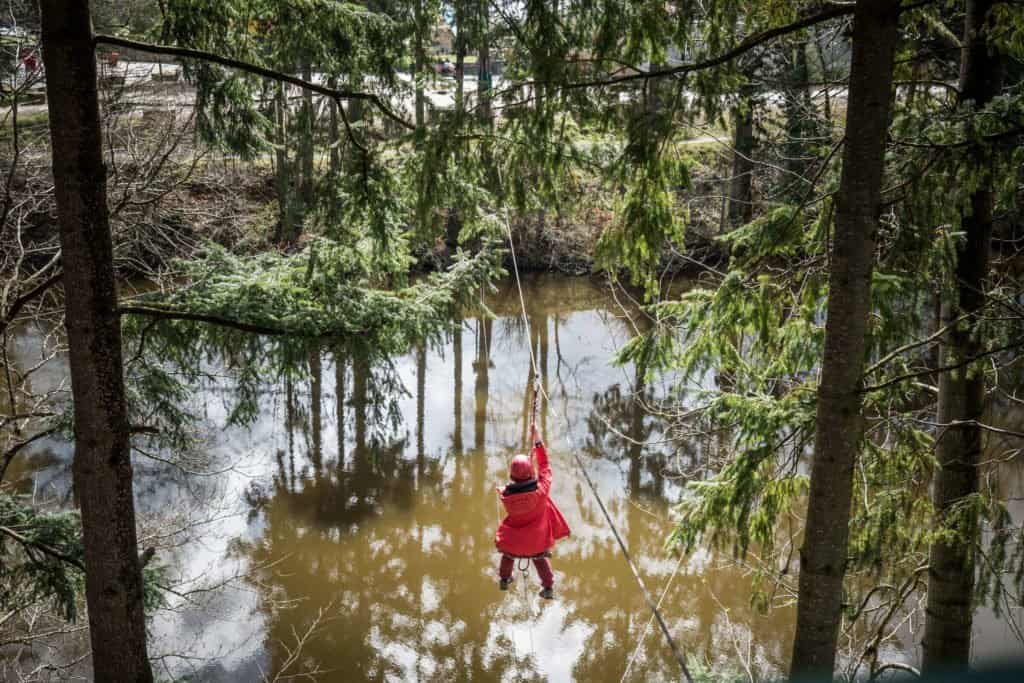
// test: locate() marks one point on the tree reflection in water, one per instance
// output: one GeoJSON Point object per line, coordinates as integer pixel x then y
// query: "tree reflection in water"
{"type": "Point", "coordinates": [390, 519]}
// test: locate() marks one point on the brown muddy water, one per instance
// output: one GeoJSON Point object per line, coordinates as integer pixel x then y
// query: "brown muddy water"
{"type": "Point", "coordinates": [335, 537]}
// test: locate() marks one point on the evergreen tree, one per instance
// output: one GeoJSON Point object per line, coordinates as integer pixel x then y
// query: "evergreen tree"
{"type": "Point", "coordinates": [102, 461]}
{"type": "Point", "coordinates": [838, 425]}
{"type": "Point", "coordinates": [961, 400]}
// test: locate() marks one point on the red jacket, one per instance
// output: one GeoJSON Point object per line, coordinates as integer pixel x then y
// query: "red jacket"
{"type": "Point", "coordinates": [533, 523]}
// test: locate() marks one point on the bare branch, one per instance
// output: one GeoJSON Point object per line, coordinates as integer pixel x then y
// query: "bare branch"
{"type": "Point", "coordinates": [28, 296]}
{"type": "Point", "coordinates": [202, 55]}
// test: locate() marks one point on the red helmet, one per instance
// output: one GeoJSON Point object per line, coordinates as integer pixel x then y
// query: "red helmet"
{"type": "Point", "coordinates": [522, 468]}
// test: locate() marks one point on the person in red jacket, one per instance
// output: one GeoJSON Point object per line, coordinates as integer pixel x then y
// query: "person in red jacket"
{"type": "Point", "coordinates": [533, 522]}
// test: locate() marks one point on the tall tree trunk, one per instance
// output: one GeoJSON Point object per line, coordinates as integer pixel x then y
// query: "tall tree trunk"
{"type": "Point", "coordinates": [419, 62]}
{"type": "Point", "coordinates": [637, 411]}
{"type": "Point", "coordinates": [947, 636]}
{"type": "Point", "coordinates": [819, 50]}
{"type": "Point", "coordinates": [289, 423]}
{"type": "Point", "coordinates": [102, 469]}
{"type": "Point", "coordinates": [654, 94]}
{"type": "Point", "coordinates": [483, 63]}
{"type": "Point", "coordinates": [530, 377]}
{"type": "Point", "coordinates": [334, 164]}
{"type": "Point", "coordinates": [838, 427]}
{"type": "Point", "coordinates": [741, 206]}
{"type": "Point", "coordinates": [282, 169]}
{"type": "Point", "coordinates": [355, 107]}
{"type": "Point", "coordinates": [460, 56]}
{"type": "Point", "coordinates": [307, 184]}
{"type": "Point", "coordinates": [799, 111]}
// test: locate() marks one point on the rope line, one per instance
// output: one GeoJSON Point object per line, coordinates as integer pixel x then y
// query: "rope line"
{"type": "Point", "coordinates": [647, 627]}
{"type": "Point", "coordinates": [593, 489]}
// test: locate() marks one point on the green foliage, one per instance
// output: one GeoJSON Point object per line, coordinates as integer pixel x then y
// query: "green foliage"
{"type": "Point", "coordinates": [30, 571]}
{"type": "Point", "coordinates": [747, 349]}
{"type": "Point", "coordinates": [742, 502]}
{"type": "Point", "coordinates": [41, 555]}
{"type": "Point", "coordinates": [1001, 564]}
{"type": "Point", "coordinates": [300, 304]}
{"type": "Point", "coordinates": [338, 39]}
{"type": "Point", "coordinates": [648, 218]}
{"type": "Point", "coordinates": [778, 233]}
{"type": "Point", "coordinates": [328, 297]}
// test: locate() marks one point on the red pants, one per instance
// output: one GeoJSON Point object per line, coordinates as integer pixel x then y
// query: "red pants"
{"type": "Point", "coordinates": [543, 565]}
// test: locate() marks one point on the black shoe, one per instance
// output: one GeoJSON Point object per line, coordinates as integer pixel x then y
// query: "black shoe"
{"type": "Point", "coordinates": [548, 593]}
{"type": "Point", "coordinates": [504, 583]}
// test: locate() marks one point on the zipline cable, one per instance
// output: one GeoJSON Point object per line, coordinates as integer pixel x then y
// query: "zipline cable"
{"type": "Point", "coordinates": [647, 626]}
{"type": "Point", "coordinates": [593, 489]}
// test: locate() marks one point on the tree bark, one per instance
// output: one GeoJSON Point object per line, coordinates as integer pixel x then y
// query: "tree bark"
{"type": "Point", "coordinates": [483, 64]}
{"type": "Point", "coordinates": [838, 425]}
{"type": "Point", "coordinates": [334, 164]}
{"type": "Point", "coordinates": [355, 107]}
{"type": "Point", "coordinates": [102, 469]}
{"type": "Point", "coordinates": [282, 170]}
{"type": "Point", "coordinates": [306, 181]}
{"type": "Point", "coordinates": [947, 636]}
{"type": "Point", "coordinates": [741, 207]}
{"type": "Point", "coordinates": [419, 64]}
{"type": "Point", "coordinates": [799, 110]}
{"type": "Point", "coordinates": [460, 55]}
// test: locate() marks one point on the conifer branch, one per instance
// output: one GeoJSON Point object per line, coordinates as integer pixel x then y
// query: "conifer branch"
{"type": "Point", "coordinates": [28, 543]}
{"type": "Point", "coordinates": [746, 45]}
{"type": "Point", "coordinates": [832, 11]}
{"type": "Point", "coordinates": [1017, 343]}
{"type": "Point", "coordinates": [168, 314]}
{"type": "Point", "coordinates": [203, 55]}
{"type": "Point", "coordinates": [934, 337]}
{"type": "Point", "coordinates": [989, 139]}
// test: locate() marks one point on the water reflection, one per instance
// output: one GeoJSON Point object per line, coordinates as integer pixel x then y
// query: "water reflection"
{"type": "Point", "coordinates": [381, 533]}
{"type": "Point", "coordinates": [362, 516]}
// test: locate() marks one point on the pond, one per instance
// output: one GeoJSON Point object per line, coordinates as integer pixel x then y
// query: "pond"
{"type": "Point", "coordinates": [348, 529]}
